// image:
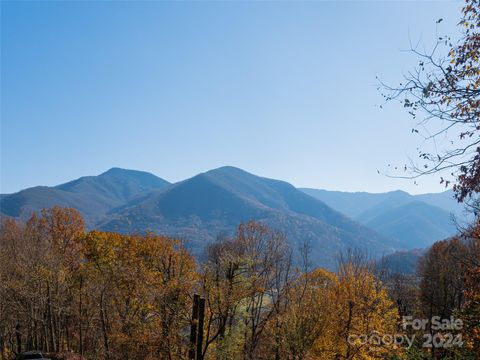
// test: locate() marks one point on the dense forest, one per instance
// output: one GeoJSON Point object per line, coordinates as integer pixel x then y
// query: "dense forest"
{"type": "Point", "coordinates": [111, 296]}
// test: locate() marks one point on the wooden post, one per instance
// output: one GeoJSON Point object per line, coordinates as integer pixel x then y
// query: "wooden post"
{"type": "Point", "coordinates": [201, 316]}
{"type": "Point", "coordinates": [196, 331]}
{"type": "Point", "coordinates": [193, 329]}
{"type": "Point", "coordinates": [80, 311]}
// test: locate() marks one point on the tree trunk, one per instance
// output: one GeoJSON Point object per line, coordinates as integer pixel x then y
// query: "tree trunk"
{"type": "Point", "coordinates": [80, 317]}
{"type": "Point", "coordinates": [51, 326]}
{"type": "Point", "coordinates": [104, 327]}
{"type": "Point", "coordinates": [18, 336]}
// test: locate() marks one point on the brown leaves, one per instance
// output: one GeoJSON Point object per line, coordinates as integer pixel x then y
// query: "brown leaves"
{"type": "Point", "coordinates": [103, 294]}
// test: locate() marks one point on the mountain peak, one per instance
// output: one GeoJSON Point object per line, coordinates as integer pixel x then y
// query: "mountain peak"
{"type": "Point", "coordinates": [140, 177]}
{"type": "Point", "coordinates": [115, 171]}
{"type": "Point", "coordinates": [93, 196]}
{"type": "Point", "coordinates": [228, 170]}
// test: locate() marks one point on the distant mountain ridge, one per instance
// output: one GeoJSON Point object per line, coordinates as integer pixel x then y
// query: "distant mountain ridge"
{"type": "Point", "coordinates": [93, 196]}
{"type": "Point", "coordinates": [354, 204]}
{"type": "Point", "coordinates": [416, 221]}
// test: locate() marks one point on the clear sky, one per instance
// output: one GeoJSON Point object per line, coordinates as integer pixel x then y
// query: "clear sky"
{"type": "Point", "coordinates": [281, 89]}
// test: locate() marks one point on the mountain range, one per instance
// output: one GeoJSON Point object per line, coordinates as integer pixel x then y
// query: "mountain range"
{"type": "Point", "coordinates": [211, 205]}
{"type": "Point", "coordinates": [93, 196]}
{"type": "Point", "coordinates": [416, 221]}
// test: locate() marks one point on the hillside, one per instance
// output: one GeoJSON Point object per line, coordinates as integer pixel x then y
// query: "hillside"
{"type": "Point", "coordinates": [213, 203]}
{"type": "Point", "coordinates": [93, 196]}
{"type": "Point", "coordinates": [401, 262]}
{"type": "Point", "coordinates": [414, 220]}
{"type": "Point", "coordinates": [415, 225]}
{"type": "Point", "coordinates": [354, 204]}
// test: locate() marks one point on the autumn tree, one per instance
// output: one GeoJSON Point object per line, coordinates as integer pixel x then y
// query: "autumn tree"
{"type": "Point", "coordinates": [261, 306]}
{"type": "Point", "coordinates": [449, 286]}
{"type": "Point", "coordinates": [142, 287]}
{"type": "Point", "coordinates": [443, 92]}
{"type": "Point", "coordinates": [10, 339]}
{"type": "Point", "coordinates": [244, 281]}
{"type": "Point", "coordinates": [224, 286]}
{"type": "Point", "coordinates": [442, 283]}
{"type": "Point", "coordinates": [104, 295]}
{"type": "Point", "coordinates": [305, 324]}
{"type": "Point", "coordinates": [363, 310]}
{"type": "Point", "coordinates": [470, 312]}
{"type": "Point", "coordinates": [40, 259]}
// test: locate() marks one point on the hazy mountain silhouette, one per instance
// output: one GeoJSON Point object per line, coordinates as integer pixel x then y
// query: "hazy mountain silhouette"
{"type": "Point", "coordinates": [415, 220]}
{"type": "Point", "coordinates": [415, 224]}
{"type": "Point", "coordinates": [355, 203]}
{"type": "Point", "coordinates": [93, 196]}
{"type": "Point", "coordinates": [401, 262]}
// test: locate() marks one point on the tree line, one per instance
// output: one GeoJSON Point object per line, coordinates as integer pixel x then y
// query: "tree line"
{"type": "Point", "coordinates": [111, 296]}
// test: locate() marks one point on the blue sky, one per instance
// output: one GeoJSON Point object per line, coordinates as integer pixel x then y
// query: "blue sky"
{"type": "Point", "coordinates": [281, 89]}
